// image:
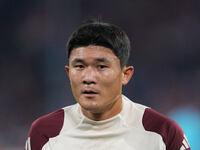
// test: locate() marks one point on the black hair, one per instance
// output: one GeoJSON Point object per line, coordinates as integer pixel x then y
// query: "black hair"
{"type": "Point", "coordinates": [101, 34]}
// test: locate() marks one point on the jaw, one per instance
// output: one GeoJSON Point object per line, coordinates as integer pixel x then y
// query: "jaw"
{"type": "Point", "coordinates": [97, 111]}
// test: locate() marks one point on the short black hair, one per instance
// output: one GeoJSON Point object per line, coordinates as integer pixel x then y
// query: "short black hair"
{"type": "Point", "coordinates": [101, 34]}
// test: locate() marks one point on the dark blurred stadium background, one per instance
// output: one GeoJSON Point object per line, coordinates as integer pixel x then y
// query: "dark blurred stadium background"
{"type": "Point", "coordinates": [165, 37]}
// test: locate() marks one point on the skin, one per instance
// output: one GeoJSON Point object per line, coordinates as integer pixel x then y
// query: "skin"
{"type": "Point", "coordinates": [96, 80]}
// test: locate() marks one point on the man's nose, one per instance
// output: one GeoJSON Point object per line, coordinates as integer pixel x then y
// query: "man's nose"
{"type": "Point", "coordinates": [89, 76]}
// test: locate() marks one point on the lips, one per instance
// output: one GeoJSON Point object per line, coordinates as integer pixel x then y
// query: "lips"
{"type": "Point", "coordinates": [90, 93]}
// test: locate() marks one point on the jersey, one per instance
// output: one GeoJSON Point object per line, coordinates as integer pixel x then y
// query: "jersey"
{"type": "Point", "coordinates": [136, 127]}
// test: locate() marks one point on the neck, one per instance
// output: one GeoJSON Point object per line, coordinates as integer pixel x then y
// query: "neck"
{"type": "Point", "coordinates": [106, 113]}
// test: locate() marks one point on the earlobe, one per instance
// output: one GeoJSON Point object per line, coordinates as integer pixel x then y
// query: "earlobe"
{"type": "Point", "coordinates": [127, 74]}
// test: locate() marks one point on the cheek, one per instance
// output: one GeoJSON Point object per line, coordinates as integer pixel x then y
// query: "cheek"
{"type": "Point", "coordinates": [75, 85]}
{"type": "Point", "coordinates": [72, 73]}
{"type": "Point", "coordinates": [74, 78]}
{"type": "Point", "coordinates": [111, 78]}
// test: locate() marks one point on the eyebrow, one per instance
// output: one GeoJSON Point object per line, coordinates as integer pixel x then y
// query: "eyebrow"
{"type": "Point", "coordinates": [102, 60]}
{"type": "Point", "coordinates": [79, 60]}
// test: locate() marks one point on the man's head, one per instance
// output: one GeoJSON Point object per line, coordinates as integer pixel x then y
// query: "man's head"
{"type": "Point", "coordinates": [101, 34]}
{"type": "Point", "coordinates": [97, 68]}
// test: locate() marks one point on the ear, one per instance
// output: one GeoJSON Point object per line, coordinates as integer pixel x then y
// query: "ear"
{"type": "Point", "coordinates": [67, 70]}
{"type": "Point", "coordinates": [127, 73]}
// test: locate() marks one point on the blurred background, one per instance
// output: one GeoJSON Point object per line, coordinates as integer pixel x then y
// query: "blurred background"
{"type": "Point", "coordinates": [165, 37]}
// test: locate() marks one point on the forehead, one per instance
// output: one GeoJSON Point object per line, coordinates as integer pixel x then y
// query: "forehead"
{"type": "Point", "coordinates": [93, 52]}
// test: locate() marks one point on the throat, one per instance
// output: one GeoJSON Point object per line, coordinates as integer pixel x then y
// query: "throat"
{"type": "Point", "coordinates": [96, 116]}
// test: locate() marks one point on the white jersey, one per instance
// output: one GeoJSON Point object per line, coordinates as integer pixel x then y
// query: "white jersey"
{"type": "Point", "coordinates": [136, 127]}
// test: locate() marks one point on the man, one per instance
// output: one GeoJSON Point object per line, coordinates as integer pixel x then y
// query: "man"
{"type": "Point", "coordinates": [103, 118]}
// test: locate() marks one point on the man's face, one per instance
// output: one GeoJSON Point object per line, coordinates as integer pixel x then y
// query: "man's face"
{"type": "Point", "coordinates": [96, 77]}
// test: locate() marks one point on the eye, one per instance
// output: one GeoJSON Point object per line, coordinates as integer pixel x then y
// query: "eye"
{"type": "Point", "coordinates": [102, 66]}
{"type": "Point", "coordinates": [79, 66]}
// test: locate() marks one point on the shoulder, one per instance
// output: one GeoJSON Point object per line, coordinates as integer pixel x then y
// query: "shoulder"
{"type": "Point", "coordinates": [50, 124]}
{"type": "Point", "coordinates": [152, 121]}
{"type": "Point", "coordinates": [44, 128]}
{"type": "Point", "coordinates": [172, 134]}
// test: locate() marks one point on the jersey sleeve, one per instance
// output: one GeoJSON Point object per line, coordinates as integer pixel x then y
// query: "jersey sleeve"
{"type": "Point", "coordinates": [172, 134]}
{"type": "Point", "coordinates": [44, 128]}
{"type": "Point", "coordinates": [176, 138]}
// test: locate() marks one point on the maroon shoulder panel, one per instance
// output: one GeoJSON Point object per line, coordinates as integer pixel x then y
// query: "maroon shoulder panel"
{"type": "Point", "coordinates": [170, 131]}
{"type": "Point", "coordinates": [44, 128]}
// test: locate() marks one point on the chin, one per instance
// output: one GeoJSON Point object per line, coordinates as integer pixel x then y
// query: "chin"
{"type": "Point", "coordinates": [91, 107]}
{"type": "Point", "coordinates": [92, 104]}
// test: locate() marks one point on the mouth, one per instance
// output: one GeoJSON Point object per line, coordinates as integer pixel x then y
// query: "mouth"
{"type": "Point", "coordinates": [89, 93]}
